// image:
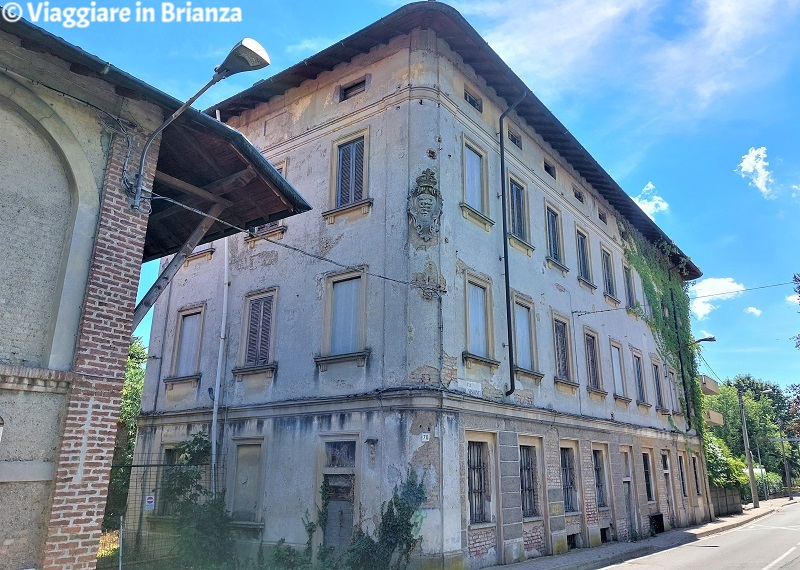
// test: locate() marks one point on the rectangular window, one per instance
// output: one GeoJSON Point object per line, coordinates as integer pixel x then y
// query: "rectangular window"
{"type": "Point", "coordinates": [523, 336]}
{"type": "Point", "coordinates": [696, 476]}
{"type": "Point", "coordinates": [515, 138]}
{"type": "Point", "coordinates": [339, 478]}
{"type": "Point", "coordinates": [259, 330]}
{"type": "Point", "coordinates": [584, 268]}
{"type": "Point", "coordinates": [529, 481]}
{"type": "Point", "coordinates": [608, 274]}
{"type": "Point", "coordinates": [550, 169]}
{"type": "Point", "coordinates": [681, 471]}
{"type": "Point", "coordinates": [562, 349]}
{"type": "Point", "coordinates": [578, 193]}
{"type": "Point", "coordinates": [473, 100]}
{"type": "Point", "coordinates": [657, 384]}
{"type": "Point", "coordinates": [473, 178]}
{"type": "Point", "coordinates": [648, 476]}
{"type": "Point", "coordinates": [477, 481]}
{"type": "Point", "coordinates": [568, 482]}
{"type": "Point", "coordinates": [340, 454]}
{"type": "Point", "coordinates": [616, 366]}
{"type": "Point", "coordinates": [246, 483]}
{"type": "Point", "coordinates": [553, 235]}
{"type": "Point", "coordinates": [354, 89]}
{"type": "Point", "coordinates": [602, 216]}
{"type": "Point", "coordinates": [346, 316]}
{"type": "Point", "coordinates": [599, 478]}
{"type": "Point", "coordinates": [639, 376]}
{"type": "Point", "coordinates": [592, 365]}
{"type": "Point", "coordinates": [187, 356]}
{"type": "Point", "coordinates": [676, 400]}
{"type": "Point", "coordinates": [519, 226]}
{"type": "Point", "coordinates": [350, 181]}
{"type": "Point", "coordinates": [478, 331]}
{"type": "Point", "coordinates": [630, 295]}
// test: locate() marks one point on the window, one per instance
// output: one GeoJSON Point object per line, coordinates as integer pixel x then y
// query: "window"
{"type": "Point", "coordinates": [170, 472]}
{"type": "Point", "coordinates": [592, 367]}
{"type": "Point", "coordinates": [259, 330]}
{"type": "Point", "coordinates": [519, 226]}
{"type": "Point", "coordinates": [648, 478]}
{"type": "Point", "coordinates": [529, 481]}
{"type": "Point", "coordinates": [478, 329]}
{"type": "Point", "coordinates": [515, 138]}
{"type": "Point", "coordinates": [473, 100]}
{"type": "Point", "coordinates": [637, 374]}
{"type": "Point", "coordinates": [584, 267]}
{"type": "Point", "coordinates": [630, 295]}
{"type": "Point", "coordinates": [187, 353]}
{"type": "Point", "coordinates": [562, 349]}
{"type": "Point", "coordinates": [354, 89]}
{"type": "Point", "coordinates": [608, 274]}
{"type": "Point", "coordinates": [681, 472]}
{"type": "Point", "coordinates": [599, 478]}
{"type": "Point", "coordinates": [553, 235]}
{"type": "Point", "coordinates": [346, 314]}
{"type": "Point", "coordinates": [578, 193]}
{"type": "Point", "coordinates": [338, 474]}
{"type": "Point", "coordinates": [616, 367]}
{"type": "Point", "coordinates": [477, 481]}
{"type": "Point", "coordinates": [246, 483]}
{"type": "Point", "coordinates": [676, 400]}
{"type": "Point", "coordinates": [602, 216]}
{"type": "Point", "coordinates": [568, 483]}
{"type": "Point", "coordinates": [473, 179]}
{"type": "Point", "coordinates": [350, 178]}
{"type": "Point", "coordinates": [523, 337]}
{"type": "Point", "coordinates": [696, 475]}
{"type": "Point", "coordinates": [657, 383]}
{"type": "Point", "coordinates": [550, 169]}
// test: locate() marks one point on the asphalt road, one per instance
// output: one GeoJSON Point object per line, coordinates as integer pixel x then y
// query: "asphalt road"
{"type": "Point", "coordinates": [770, 543]}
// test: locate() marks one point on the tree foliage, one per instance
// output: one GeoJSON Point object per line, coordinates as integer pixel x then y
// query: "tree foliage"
{"type": "Point", "coordinates": [724, 470]}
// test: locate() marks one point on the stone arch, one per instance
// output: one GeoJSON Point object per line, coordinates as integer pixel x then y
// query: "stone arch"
{"type": "Point", "coordinates": [56, 160]}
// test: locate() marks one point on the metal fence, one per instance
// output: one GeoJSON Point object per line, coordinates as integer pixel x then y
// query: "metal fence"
{"type": "Point", "coordinates": [142, 515]}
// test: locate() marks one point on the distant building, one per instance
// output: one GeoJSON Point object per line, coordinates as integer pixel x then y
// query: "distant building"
{"type": "Point", "coordinates": [72, 249]}
{"type": "Point", "coordinates": [397, 356]}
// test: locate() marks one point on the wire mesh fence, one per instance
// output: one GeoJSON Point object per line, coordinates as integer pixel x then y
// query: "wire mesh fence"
{"type": "Point", "coordinates": [142, 522]}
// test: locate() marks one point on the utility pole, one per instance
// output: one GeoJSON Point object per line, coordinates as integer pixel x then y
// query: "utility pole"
{"type": "Point", "coordinates": [753, 486]}
{"type": "Point", "coordinates": [786, 465]}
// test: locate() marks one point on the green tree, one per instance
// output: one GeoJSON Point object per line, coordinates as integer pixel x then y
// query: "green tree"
{"type": "Point", "coordinates": [724, 470]}
{"type": "Point", "coordinates": [126, 434]}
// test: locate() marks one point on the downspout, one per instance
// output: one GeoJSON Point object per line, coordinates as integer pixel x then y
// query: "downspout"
{"type": "Point", "coordinates": [220, 364]}
{"type": "Point", "coordinates": [509, 326]}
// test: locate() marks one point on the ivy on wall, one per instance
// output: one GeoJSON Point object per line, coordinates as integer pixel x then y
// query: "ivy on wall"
{"type": "Point", "coordinates": [666, 312]}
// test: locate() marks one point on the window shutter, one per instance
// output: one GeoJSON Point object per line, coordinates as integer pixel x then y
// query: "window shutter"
{"type": "Point", "coordinates": [265, 330]}
{"type": "Point", "coordinates": [358, 170]}
{"type": "Point", "coordinates": [253, 327]}
{"type": "Point", "coordinates": [189, 345]}
{"type": "Point", "coordinates": [345, 165]}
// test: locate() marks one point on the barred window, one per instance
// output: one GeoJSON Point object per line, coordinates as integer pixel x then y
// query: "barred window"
{"type": "Point", "coordinates": [476, 481]}
{"type": "Point", "coordinates": [568, 484]}
{"type": "Point", "coordinates": [599, 478]}
{"type": "Point", "coordinates": [529, 481]}
{"type": "Point", "coordinates": [592, 369]}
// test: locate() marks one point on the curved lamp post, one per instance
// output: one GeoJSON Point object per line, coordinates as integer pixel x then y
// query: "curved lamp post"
{"type": "Point", "coordinates": [247, 55]}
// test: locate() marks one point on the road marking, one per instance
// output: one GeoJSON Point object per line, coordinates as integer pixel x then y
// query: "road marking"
{"type": "Point", "coordinates": [784, 555]}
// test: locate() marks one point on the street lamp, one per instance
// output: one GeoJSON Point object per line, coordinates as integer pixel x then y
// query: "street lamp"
{"type": "Point", "coordinates": [247, 55]}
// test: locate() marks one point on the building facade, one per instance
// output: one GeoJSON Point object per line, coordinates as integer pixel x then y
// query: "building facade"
{"type": "Point", "coordinates": [370, 336]}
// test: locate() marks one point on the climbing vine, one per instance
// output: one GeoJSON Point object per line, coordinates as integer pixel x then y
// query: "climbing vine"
{"type": "Point", "coordinates": [666, 311]}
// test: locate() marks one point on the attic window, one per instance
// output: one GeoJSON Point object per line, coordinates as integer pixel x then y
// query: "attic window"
{"type": "Point", "coordinates": [578, 194]}
{"type": "Point", "coordinates": [550, 169]}
{"type": "Point", "coordinates": [515, 138]}
{"type": "Point", "coordinates": [602, 215]}
{"type": "Point", "coordinates": [352, 90]}
{"type": "Point", "coordinates": [473, 100]}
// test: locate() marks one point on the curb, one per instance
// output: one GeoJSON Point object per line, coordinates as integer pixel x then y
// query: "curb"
{"type": "Point", "coordinates": [735, 524]}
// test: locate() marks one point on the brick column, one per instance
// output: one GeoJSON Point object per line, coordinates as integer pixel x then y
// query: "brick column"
{"type": "Point", "coordinates": [87, 444]}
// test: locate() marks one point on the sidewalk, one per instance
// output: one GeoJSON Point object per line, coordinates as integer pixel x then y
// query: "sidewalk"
{"type": "Point", "coordinates": [618, 552]}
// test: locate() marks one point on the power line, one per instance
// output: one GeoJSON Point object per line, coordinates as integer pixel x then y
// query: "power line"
{"type": "Point", "coordinates": [700, 354]}
{"type": "Point", "coordinates": [742, 290]}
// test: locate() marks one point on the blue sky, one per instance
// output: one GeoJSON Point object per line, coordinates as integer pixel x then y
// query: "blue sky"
{"type": "Point", "coordinates": [692, 106]}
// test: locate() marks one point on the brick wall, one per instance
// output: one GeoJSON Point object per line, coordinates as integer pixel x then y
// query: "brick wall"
{"type": "Point", "coordinates": [103, 339]}
{"type": "Point", "coordinates": [533, 536]}
{"type": "Point", "coordinates": [480, 541]}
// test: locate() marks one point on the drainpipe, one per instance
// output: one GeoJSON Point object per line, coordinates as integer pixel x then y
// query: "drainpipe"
{"type": "Point", "coordinates": [509, 326]}
{"type": "Point", "coordinates": [218, 380]}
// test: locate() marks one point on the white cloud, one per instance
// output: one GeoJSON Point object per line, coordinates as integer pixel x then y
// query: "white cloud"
{"type": "Point", "coordinates": [753, 311]}
{"type": "Point", "coordinates": [309, 46]}
{"type": "Point", "coordinates": [754, 166]}
{"type": "Point", "coordinates": [793, 299]}
{"type": "Point", "coordinates": [711, 290]}
{"type": "Point", "coordinates": [650, 202]}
